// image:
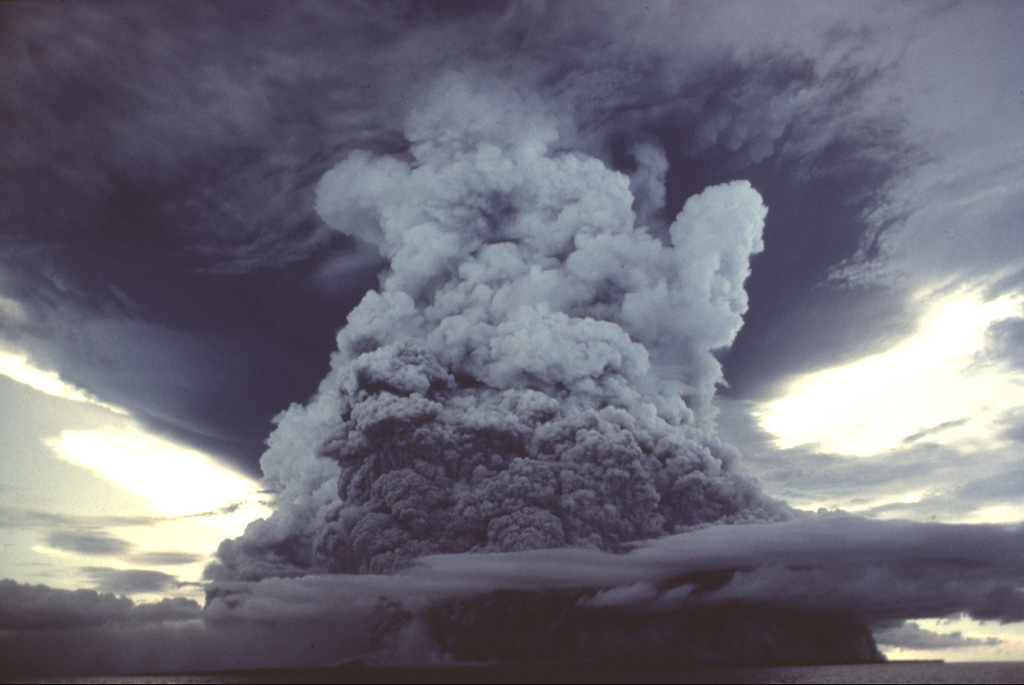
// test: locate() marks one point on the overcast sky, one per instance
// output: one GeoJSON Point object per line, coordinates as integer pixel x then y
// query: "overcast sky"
{"type": "Point", "coordinates": [776, 246]}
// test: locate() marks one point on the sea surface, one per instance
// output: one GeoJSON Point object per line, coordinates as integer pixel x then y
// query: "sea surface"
{"type": "Point", "coordinates": [893, 672]}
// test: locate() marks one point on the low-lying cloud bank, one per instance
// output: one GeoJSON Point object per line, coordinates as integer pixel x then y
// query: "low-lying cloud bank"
{"type": "Point", "coordinates": [800, 591]}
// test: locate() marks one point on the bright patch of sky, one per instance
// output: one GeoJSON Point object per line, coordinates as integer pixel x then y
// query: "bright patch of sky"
{"type": "Point", "coordinates": [980, 640]}
{"type": "Point", "coordinates": [74, 469]}
{"type": "Point", "coordinates": [929, 386]}
{"type": "Point", "coordinates": [175, 480]}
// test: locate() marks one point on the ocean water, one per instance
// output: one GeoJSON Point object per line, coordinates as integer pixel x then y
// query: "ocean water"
{"type": "Point", "coordinates": [897, 672]}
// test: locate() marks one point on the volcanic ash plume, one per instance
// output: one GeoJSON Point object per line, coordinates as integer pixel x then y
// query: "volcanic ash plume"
{"type": "Point", "coordinates": [536, 369]}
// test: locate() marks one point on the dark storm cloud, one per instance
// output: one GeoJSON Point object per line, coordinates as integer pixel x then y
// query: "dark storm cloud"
{"type": "Point", "coordinates": [186, 172]}
{"type": "Point", "coordinates": [88, 542]}
{"type": "Point", "coordinates": [175, 143]}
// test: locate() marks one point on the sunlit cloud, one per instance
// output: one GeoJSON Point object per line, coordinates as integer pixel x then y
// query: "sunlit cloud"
{"type": "Point", "coordinates": [927, 387]}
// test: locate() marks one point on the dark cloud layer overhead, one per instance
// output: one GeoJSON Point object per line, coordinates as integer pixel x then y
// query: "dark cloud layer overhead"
{"type": "Point", "coordinates": [185, 145]}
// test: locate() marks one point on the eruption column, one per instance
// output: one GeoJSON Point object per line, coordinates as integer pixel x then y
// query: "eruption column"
{"type": "Point", "coordinates": [536, 369]}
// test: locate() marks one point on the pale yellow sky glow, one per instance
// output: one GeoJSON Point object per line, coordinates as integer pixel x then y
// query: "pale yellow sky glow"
{"type": "Point", "coordinates": [929, 386]}
{"type": "Point", "coordinates": [1008, 641]}
{"type": "Point", "coordinates": [202, 501]}
{"type": "Point", "coordinates": [91, 459]}
{"type": "Point", "coordinates": [177, 480]}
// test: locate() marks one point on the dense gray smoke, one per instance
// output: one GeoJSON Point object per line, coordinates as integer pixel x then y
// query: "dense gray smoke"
{"type": "Point", "coordinates": [537, 367]}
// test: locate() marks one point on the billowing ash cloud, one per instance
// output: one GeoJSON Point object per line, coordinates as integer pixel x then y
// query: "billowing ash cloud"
{"type": "Point", "coordinates": [537, 367]}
